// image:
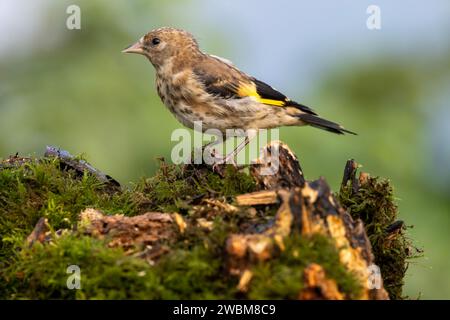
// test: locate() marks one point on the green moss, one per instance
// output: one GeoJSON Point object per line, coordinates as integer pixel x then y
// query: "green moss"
{"type": "Point", "coordinates": [233, 183]}
{"type": "Point", "coordinates": [35, 189]}
{"type": "Point", "coordinates": [374, 204]}
{"type": "Point", "coordinates": [41, 189]}
{"type": "Point", "coordinates": [192, 269]}
{"type": "Point", "coordinates": [173, 187]}
{"type": "Point", "coordinates": [195, 273]}
{"type": "Point", "coordinates": [41, 273]}
{"type": "Point", "coordinates": [283, 277]}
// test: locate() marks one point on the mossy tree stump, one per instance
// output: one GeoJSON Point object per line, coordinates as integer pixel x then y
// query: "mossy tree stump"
{"type": "Point", "coordinates": [191, 233]}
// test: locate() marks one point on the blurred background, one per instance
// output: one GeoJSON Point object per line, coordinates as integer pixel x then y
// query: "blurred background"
{"type": "Point", "coordinates": [74, 89]}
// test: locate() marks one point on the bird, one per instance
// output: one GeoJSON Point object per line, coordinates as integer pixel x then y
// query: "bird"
{"type": "Point", "coordinates": [197, 86]}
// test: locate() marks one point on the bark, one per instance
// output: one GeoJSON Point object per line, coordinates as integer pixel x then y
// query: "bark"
{"type": "Point", "coordinates": [307, 207]}
{"type": "Point", "coordinates": [69, 162]}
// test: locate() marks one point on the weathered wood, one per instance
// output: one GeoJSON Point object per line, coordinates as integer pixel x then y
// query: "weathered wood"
{"type": "Point", "coordinates": [306, 208]}
{"type": "Point", "coordinates": [14, 161]}
{"type": "Point", "coordinates": [351, 167]}
{"type": "Point", "coordinates": [142, 235]}
{"type": "Point", "coordinates": [257, 198]}
{"type": "Point", "coordinates": [317, 286]}
{"type": "Point", "coordinates": [277, 168]}
{"type": "Point", "coordinates": [68, 161]}
{"type": "Point", "coordinates": [40, 233]}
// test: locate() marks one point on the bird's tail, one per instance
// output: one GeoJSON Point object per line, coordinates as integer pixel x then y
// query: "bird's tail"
{"type": "Point", "coordinates": [317, 122]}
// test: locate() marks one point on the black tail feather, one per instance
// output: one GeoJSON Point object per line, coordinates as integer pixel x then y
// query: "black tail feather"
{"type": "Point", "coordinates": [323, 124]}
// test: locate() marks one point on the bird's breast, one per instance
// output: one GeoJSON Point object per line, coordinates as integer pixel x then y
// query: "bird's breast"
{"type": "Point", "coordinates": [183, 97]}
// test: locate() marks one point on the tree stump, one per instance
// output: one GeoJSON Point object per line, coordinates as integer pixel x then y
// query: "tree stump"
{"type": "Point", "coordinates": [306, 208]}
{"type": "Point", "coordinates": [269, 228]}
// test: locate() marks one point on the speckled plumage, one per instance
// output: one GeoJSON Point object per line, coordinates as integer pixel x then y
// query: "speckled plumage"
{"type": "Point", "coordinates": [196, 86]}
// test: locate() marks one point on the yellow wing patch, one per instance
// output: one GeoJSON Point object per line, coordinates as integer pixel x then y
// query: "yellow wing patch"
{"type": "Point", "coordinates": [272, 102]}
{"type": "Point", "coordinates": [249, 90]}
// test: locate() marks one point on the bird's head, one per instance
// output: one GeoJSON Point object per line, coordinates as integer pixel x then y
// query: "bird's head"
{"type": "Point", "coordinates": [161, 45]}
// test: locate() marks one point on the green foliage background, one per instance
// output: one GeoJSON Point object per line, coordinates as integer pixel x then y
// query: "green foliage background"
{"type": "Point", "coordinates": [75, 89]}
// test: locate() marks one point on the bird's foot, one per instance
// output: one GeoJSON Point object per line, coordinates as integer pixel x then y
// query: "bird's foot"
{"type": "Point", "coordinates": [221, 161]}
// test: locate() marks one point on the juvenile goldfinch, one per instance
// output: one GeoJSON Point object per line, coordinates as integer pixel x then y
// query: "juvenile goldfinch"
{"type": "Point", "coordinates": [196, 86]}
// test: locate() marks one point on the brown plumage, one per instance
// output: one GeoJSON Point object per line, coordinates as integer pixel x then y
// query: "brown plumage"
{"type": "Point", "coordinates": [196, 86]}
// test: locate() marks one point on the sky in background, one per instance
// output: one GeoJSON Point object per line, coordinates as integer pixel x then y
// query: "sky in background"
{"type": "Point", "coordinates": [324, 27]}
{"type": "Point", "coordinates": [263, 43]}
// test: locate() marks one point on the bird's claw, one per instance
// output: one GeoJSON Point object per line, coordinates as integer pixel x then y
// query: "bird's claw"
{"type": "Point", "coordinates": [222, 160]}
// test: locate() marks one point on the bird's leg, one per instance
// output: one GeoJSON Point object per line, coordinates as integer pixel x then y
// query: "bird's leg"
{"type": "Point", "coordinates": [210, 152]}
{"type": "Point", "coordinates": [230, 157]}
{"type": "Point", "coordinates": [207, 147]}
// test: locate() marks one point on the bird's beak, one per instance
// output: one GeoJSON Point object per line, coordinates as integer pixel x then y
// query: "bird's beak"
{"type": "Point", "coordinates": [134, 48]}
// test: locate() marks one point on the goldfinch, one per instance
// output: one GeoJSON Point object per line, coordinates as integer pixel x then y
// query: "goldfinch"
{"type": "Point", "coordinates": [196, 86]}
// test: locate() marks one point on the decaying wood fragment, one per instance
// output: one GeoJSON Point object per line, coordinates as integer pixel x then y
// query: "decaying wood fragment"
{"type": "Point", "coordinates": [40, 232]}
{"type": "Point", "coordinates": [209, 208]}
{"type": "Point", "coordinates": [350, 174]}
{"type": "Point", "coordinates": [317, 286]}
{"type": "Point", "coordinates": [205, 224]}
{"type": "Point", "coordinates": [68, 161]}
{"type": "Point", "coordinates": [133, 234]}
{"type": "Point", "coordinates": [277, 168]}
{"type": "Point", "coordinates": [14, 161]}
{"type": "Point", "coordinates": [306, 208]}
{"type": "Point", "coordinates": [249, 248]}
{"type": "Point", "coordinates": [244, 281]}
{"type": "Point", "coordinates": [180, 222]}
{"type": "Point", "coordinates": [221, 205]}
{"type": "Point", "coordinates": [257, 198]}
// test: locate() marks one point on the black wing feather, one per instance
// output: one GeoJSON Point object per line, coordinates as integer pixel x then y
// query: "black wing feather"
{"type": "Point", "coordinates": [223, 80]}
{"type": "Point", "coordinates": [267, 92]}
{"type": "Point", "coordinates": [299, 106]}
{"type": "Point", "coordinates": [215, 85]}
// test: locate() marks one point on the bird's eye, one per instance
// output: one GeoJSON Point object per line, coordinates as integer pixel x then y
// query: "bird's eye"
{"type": "Point", "coordinates": [155, 41]}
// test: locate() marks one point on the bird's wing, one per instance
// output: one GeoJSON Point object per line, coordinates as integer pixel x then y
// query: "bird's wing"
{"type": "Point", "coordinates": [226, 81]}
{"type": "Point", "coordinates": [225, 60]}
